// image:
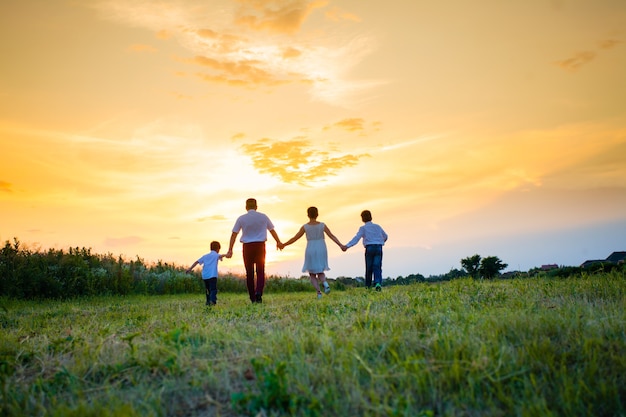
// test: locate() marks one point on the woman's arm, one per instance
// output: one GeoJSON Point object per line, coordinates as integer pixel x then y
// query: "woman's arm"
{"type": "Point", "coordinates": [296, 237]}
{"type": "Point", "coordinates": [332, 237]}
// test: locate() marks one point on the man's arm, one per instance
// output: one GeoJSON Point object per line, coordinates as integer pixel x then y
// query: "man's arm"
{"type": "Point", "coordinates": [233, 239]}
{"type": "Point", "coordinates": [275, 236]}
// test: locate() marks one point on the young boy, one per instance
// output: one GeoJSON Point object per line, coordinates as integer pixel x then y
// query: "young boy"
{"type": "Point", "coordinates": [374, 237]}
{"type": "Point", "coordinates": [209, 271]}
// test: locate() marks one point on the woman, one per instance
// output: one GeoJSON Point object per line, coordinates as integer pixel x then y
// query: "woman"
{"type": "Point", "coordinates": [316, 253]}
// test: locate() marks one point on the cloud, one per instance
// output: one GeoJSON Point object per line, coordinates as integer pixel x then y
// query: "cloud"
{"type": "Point", "coordinates": [221, 42]}
{"type": "Point", "coordinates": [163, 35]}
{"type": "Point", "coordinates": [580, 59]}
{"type": "Point", "coordinates": [5, 187]}
{"type": "Point", "coordinates": [605, 167]}
{"type": "Point", "coordinates": [241, 73]}
{"type": "Point", "coordinates": [290, 52]}
{"type": "Point", "coordinates": [157, 160]}
{"type": "Point", "coordinates": [275, 15]}
{"type": "Point", "coordinates": [296, 161]}
{"type": "Point", "coordinates": [355, 124]}
{"type": "Point", "coordinates": [608, 43]}
{"type": "Point", "coordinates": [575, 62]}
{"type": "Point", "coordinates": [251, 43]}
{"type": "Point", "coordinates": [351, 125]}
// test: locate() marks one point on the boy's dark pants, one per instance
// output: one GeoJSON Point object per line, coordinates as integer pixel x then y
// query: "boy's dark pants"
{"type": "Point", "coordinates": [373, 264]}
{"type": "Point", "coordinates": [211, 290]}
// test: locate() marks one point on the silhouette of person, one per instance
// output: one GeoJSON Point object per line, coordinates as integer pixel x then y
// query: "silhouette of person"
{"type": "Point", "coordinates": [253, 227]}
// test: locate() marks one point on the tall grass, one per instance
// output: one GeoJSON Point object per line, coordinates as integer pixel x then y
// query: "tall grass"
{"type": "Point", "coordinates": [58, 274]}
{"type": "Point", "coordinates": [524, 347]}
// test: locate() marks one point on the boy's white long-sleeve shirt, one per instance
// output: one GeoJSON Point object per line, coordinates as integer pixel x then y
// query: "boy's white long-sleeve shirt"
{"type": "Point", "coordinates": [371, 233]}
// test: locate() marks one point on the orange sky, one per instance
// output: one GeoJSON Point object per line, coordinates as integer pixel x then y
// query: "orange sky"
{"type": "Point", "coordinates": [138, 127]}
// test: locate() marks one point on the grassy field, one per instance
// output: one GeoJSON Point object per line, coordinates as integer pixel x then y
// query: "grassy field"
{"type": "Point", "coordinates": [522, 347]}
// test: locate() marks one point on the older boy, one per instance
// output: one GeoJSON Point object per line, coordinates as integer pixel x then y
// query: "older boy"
{"type": "Point", "coordinates": [374, 237]}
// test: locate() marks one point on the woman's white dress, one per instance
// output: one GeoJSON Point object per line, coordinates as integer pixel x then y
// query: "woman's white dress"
{"type": "Point", "coordinates": [316, 253]}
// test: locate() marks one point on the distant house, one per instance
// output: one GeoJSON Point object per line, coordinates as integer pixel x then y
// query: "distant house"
{"type": "Point", "coordinates": [549, 267]}
{"type": "Point", "coordinates": [592, 262]}
{"type": "Point", "coordinates": [614, 258]}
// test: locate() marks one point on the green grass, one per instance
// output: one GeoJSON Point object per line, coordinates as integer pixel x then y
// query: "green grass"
{"type": "Point", "coordinates": [524, 347]}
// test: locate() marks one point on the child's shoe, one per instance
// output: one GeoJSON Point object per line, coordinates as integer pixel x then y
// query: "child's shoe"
{"type": "Point", "coordinates": [326, 287]}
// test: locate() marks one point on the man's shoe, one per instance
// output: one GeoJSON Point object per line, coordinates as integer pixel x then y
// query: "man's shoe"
{"type": "Point", "coordinates": [259, 298]}
{"type": "Point", "coordinates": [378, 287]}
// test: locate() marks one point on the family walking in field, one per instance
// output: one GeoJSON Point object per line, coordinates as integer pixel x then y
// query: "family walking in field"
{"type": "Point", "coordinates": [254, 226]}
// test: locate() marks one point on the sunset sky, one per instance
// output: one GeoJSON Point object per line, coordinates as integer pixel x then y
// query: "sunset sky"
{"type": "Point", "coordinates": [490, 127]}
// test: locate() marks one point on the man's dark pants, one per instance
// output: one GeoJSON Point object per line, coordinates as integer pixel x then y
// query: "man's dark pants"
{"type": "Point", "coordinates": [254, 257]}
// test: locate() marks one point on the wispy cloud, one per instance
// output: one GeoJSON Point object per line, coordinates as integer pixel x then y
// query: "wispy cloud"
{"type": "Point", "coordinates": [355, 125]}
{"type": "Point", "coordinates": [575, 62]}
{"type": "Point", "coordinates": [351, 125]}
{"type": "Point", "coordinates": [159, 158]}
{"type": "Point", "coordinates": [582, 58]}
{"type": "Point", "coordinates": [251, 43]}
{"type": "Point", "coordinates": [238, 73]}
{"type": "Point", "coordinates": [275, 15]}
{"type": "Point", "coordinates": [5, 187]}
{"type": "Point", "coordinates": [608, 43]}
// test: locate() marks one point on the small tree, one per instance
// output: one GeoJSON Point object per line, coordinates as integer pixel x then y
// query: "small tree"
{"type": "Point", "coordinates": [455, 273]}
{"type": "Point", "coordinates": [491, 266]}
{"type": "Point", "coordinates": [471, 264]}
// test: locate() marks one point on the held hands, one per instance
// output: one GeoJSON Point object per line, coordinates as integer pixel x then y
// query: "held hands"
{"type": "Point", "coordinates": [344, 248]}
{"type": "Point", "coordinates": [229, 254]}
{"type": "Point", "coordinates": [280, 245]}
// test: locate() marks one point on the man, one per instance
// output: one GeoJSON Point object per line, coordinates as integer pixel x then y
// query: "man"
{"type": "Point", "coordinates": [374, 237]}
{"type": "Point", "coordinates": [253, 226]}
